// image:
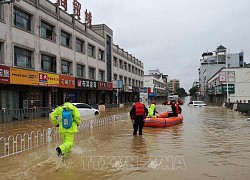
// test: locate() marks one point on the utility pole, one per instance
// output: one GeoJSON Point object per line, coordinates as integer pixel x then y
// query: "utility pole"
{"type": "Point", "coordinates": [227, 78]}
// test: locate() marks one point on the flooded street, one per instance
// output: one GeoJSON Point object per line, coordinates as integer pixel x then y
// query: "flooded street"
{"type": "Point", "coordinates": [212, 143]}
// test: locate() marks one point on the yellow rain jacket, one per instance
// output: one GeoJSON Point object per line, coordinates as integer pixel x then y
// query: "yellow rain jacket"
{"type": "Point", "coordinates": [76, 118]}
{"type": "Point", "coordinates": [151, 110]}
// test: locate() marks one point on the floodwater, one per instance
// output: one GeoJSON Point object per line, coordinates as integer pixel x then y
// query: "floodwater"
{"type": "Point", "coordinates": [212, 143]}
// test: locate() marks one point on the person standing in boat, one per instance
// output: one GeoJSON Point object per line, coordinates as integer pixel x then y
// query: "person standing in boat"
{"type": "Point", "coordinates": [176, 109]}
{"type": "Point", "coordinates": [138, 114]}
{"type": "Point", "coordinates": [152, 110]}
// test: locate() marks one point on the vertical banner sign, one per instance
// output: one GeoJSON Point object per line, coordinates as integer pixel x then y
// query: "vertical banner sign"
{"type": "Point", "coordinates": [222, 76]}
{"type": "Point", "coordinates": [4, 75]}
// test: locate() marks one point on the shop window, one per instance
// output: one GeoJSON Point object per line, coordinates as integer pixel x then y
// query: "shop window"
{"type": "Point", "coordinates": [80, 70]}
{"type": "Point", "coordinates": [65, 39]}
{"type": "Point", "coordinates": [22, 19]}
{"type": "Point", "coordinates": [79, 45]}
{"type": "Point", "coordinates": [66, 67]}
{"type": "Point", "coordinates": [91, 73]}
{"type": "Point", "coordinates": [101, 75]}
{"type": "Point", "coordinates": [22, 57]}
{"type": "Point", "coordinates": [48, 63]}
{"type": "Point", "coordinates": [91, 51]}
{"type": "Point", "coordinates": [47, 31]}
{"type": "Point", "coordinates": [101, 55]}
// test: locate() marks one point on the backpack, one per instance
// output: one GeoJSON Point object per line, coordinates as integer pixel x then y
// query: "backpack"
{"type": "Point", "coordinates": [66, 118]}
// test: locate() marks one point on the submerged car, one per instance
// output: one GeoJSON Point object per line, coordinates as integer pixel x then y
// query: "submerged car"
{"type": "Point", "coordinates": [197, 103]}
{"type": "Point", "coordinates": [85, 109]}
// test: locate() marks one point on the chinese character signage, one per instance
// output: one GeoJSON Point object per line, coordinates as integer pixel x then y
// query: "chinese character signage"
{"type": "Point", "coordinates": [88, 19]}
{"type": "Point", "coordinates": [24, 77]}
{"type": "Point", "coordinates": [46, 79]}
{"type": "Point", "coordinates": [109, 86]}
{"type": "Point", "coordinates": [222, 76]}
{"type": "Point", "coordinates": [120, 84]}
{"type": "Point", "coordinates": [77, 9]}
{"type": "Point", "coordinates": [231, 76]}
{"type": "Point", "coordinates": [102, 85]}
{"type": "Point", "coordinates": [4, 75]}
{"type": "Point", "coordinates": [231, 89]}
{"type": "Point", "coordinates": [85, 84]}
{"type": "Point", "coordinates": [66, 81]}
{"type": "Point", "coordinates": [63, 3]}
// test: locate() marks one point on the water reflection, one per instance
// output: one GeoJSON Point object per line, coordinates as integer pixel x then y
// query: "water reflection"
{"type": "Point", "coordinates": [213, 142]}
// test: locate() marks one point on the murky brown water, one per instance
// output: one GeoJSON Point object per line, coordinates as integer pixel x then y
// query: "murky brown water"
{"type": "Point", "coordinates": [212, 143]}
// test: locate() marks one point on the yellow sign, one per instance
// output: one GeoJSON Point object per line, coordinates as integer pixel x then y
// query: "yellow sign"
{"type": "Point", "coordinates": [24, 77]}
{"type": "Point", "coordinates": [46, 79]}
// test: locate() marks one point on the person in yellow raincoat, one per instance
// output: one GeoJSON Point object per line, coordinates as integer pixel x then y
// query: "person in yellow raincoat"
{"type": "Point", "coordinates": [67, 133]}
{"type": "Point", "coordinates": [152, 110]}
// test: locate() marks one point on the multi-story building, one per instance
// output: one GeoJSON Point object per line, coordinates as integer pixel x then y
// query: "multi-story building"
{"type": "Point", "coordinates": [173, 85]}
{"type": "Point", "coordinates": [156, 83]}
{"type": "Point", "coordinates": [212, 62]}
{"type": "Point", "coordinates": [47, 54]}
{"type": "Point", "coordinates": [229, 85]}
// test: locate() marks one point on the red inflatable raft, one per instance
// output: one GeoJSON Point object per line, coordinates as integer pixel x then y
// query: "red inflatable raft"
{"type": "Point", "coordinates": [163, 121]}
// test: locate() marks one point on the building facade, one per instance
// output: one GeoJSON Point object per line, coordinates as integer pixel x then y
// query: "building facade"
{"type": "Point", "coordinates": [156, 85]}
{"type": "Point", "coordinates": [235, 81]}
{"type": "Point", "coordinates": [47, 54]}
{"type": "Point", "coordinates": [173, 85]}
{"type": "Point", "coordinates": [212, 62]}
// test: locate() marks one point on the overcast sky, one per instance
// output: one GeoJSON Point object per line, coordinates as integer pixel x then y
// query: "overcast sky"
{"type": "Point", "coordinates": [171, 35]}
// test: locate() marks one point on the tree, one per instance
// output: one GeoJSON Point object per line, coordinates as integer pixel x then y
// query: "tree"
{"type": "Point", "coordinates": [193, 91]}
{"type": "Point", "coordinates": [181, 92]}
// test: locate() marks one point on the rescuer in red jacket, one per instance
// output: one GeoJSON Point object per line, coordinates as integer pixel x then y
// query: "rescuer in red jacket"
{"type": "Point", "coordinates": [138, 113]}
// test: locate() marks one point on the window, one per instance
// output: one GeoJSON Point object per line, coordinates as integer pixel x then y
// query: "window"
{"type": "Point", "coordinates": [1, 12]}
{"type": "Point", "coordinates": [115, 61]}
{"type": "Point", "coordinates": [1, 52]}
{"type": "Point", "coordinates": [48, 63]}
{"type": "Point", "coordinates": [65, 67]}
{"type": "Point", "coordinates": [91, 51]}
{"type": "Point", "coordinates": [101, 75]}
{"type": "Point", "coordinates": [125, 66]}
{"type": "Point", "coordinates": [129, 81]}
{"type": "Point", "coordinates": [22, 57]}
{"type": "Point", "coordinates": [47, 31]}
{"type": "Point", "coordinates": [101, 55]}
{"type": "Point", "coordinates": [80, 70]}
{"type": "Point", "coordinates": [65, 39]}
{"type": "Point", "coordinates": [79, 45]}
{"type": "Point", "coordinates": [91, 73]}
{"type": "Point", "coordinates": [22, 19]}
{"type": "Point", "coordinates": [120, 64]}
{"type": "Point", "coordinates": [129, 68]}
{"type": "Point", "coordinates": [115, 77]}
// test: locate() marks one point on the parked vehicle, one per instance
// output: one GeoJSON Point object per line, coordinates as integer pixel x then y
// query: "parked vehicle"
{"type": "Point", "coordinates": [197, 103]}
{"type": "Point", "coordinates": [85, 109]}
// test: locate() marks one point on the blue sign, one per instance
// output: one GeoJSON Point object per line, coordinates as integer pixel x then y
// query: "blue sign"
{"type": "Point", "coordinates": [152, 94]}
{"type": "Point", "coordinates": [120, 84]}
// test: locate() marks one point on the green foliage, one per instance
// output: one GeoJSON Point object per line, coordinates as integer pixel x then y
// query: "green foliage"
{"type": "Point", "coordinates": [181, 92]}
{"type": "Point", "coordinates": [193, 91]}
